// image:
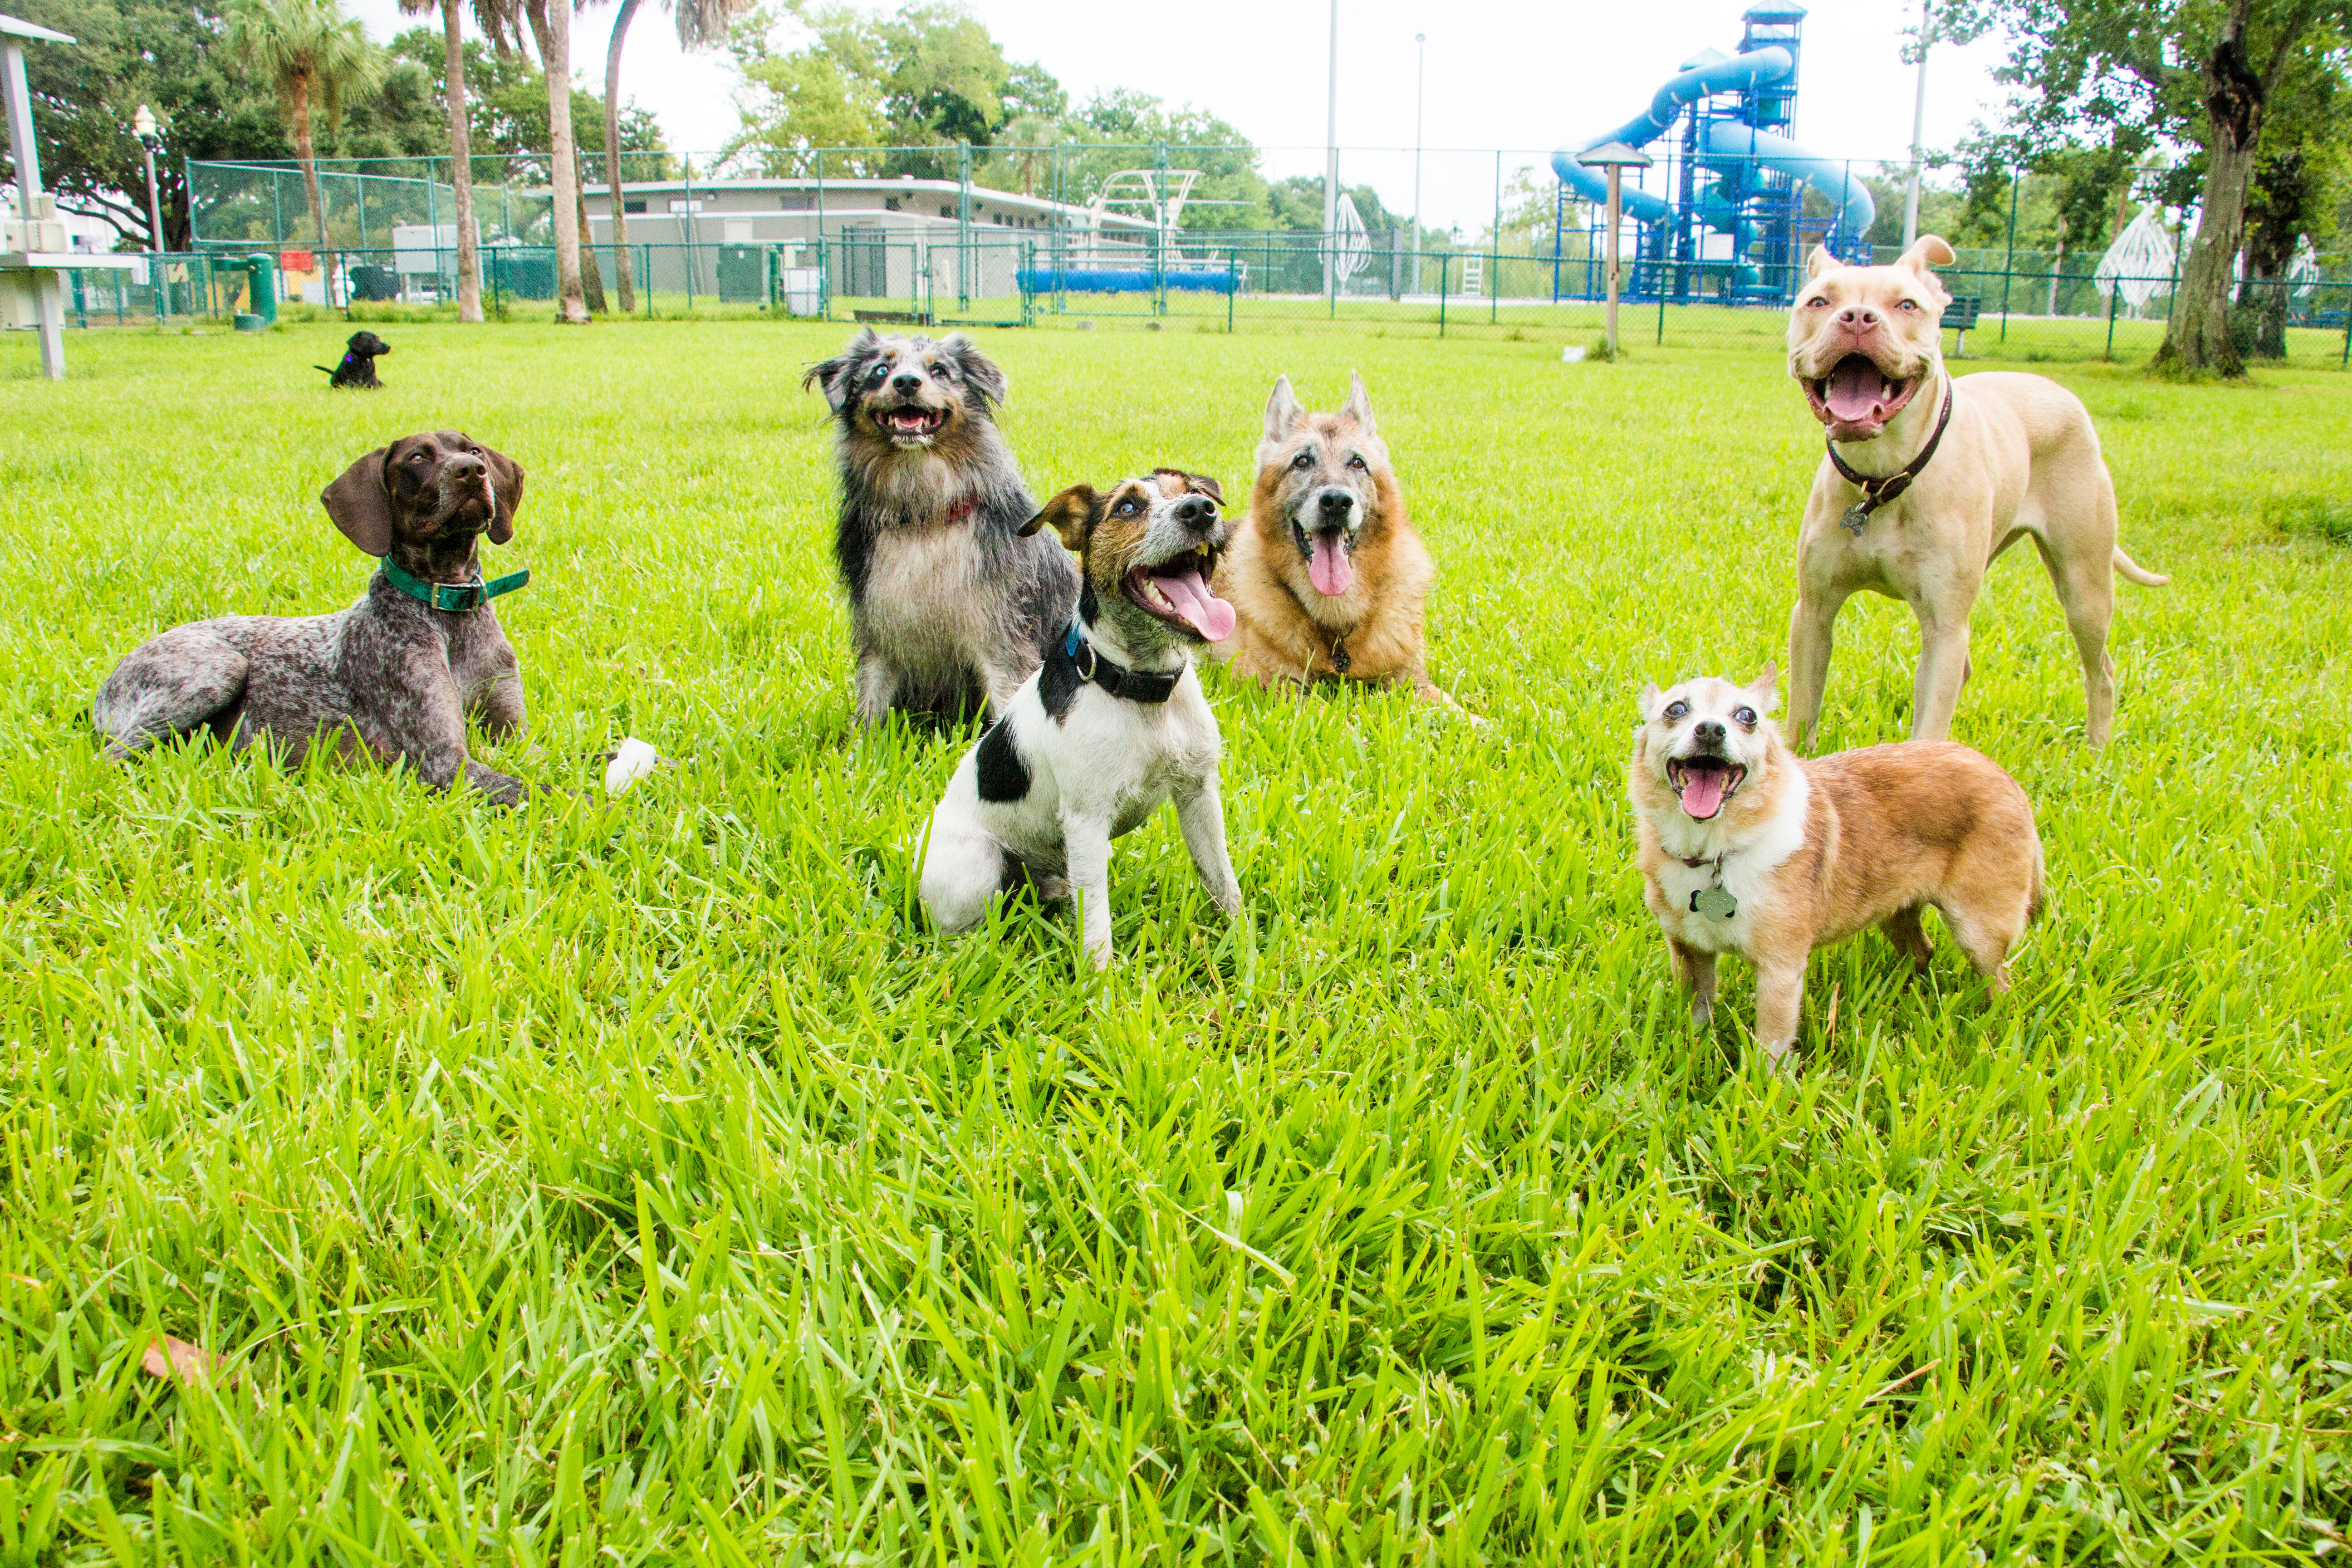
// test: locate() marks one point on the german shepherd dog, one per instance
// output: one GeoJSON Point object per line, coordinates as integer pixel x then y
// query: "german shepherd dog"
{"type": "Point", "coordinates": [950, 602]}
{"type": "Point", "coordinates": [1327, 575]}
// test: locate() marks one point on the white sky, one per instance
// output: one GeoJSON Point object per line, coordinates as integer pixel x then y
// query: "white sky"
{"type": "Point", "coordinates": [1505, 73]}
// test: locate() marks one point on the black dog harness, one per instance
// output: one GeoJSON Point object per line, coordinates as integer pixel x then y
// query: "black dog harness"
{"type": "Point", "coordinates": [1133, 685]}
{"type": "Point", "coordinates": [1877, 492]}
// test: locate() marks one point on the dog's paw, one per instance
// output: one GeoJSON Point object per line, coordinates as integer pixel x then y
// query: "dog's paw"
{"type": "Point", "coordinates": [1702, 1012]}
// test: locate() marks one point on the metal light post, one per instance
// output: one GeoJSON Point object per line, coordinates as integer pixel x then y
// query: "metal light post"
{"type": "Point", "coordinates": [1615, 157]}
{"type": "Point", "coordinates": [1420, 100]}
{"type": "Point", "coordinates": [1331, 168]}
{"type": "Point", "coordinates": [1918, 134]}
{"type": "Point", "coordinates": [151, 136]}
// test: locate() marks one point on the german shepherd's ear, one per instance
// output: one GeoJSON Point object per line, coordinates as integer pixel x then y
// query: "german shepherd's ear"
{"type": "Point", "coordinates": [1283, 410]}
{"type": "Point", "coordinates": [979, 372]}
{"type": "Point", "coordinates": [1765, 690]}
{"type": "Point", "coordinates": [1072, 514]}
{"type": "Point", "coordinates": [834, 375]}
{"type": "Point", "coordinates": [1821, 261]}
{"type": "Point", "coordinates": [360, 505]}
{"type": "Point", "coordinates": [1648, 700]}
{"type": "Point", "coordinates": [1358, 406]}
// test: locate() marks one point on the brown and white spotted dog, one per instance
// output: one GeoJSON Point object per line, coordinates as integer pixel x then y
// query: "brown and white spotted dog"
{"type": "Point", "coordinates": [950, 602]}
{"type": "Point", "coordinates": [1110, 727]}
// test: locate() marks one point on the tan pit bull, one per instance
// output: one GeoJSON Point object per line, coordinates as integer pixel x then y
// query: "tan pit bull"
{"type": "Point", "coordinates": [1928, 477]}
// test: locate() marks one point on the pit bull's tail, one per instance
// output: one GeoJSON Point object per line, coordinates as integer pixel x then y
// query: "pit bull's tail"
{"type": "Point", "coordinates": [2137, 573]}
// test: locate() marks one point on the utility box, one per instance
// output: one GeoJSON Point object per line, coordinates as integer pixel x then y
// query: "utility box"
{"type": "Point", "coordinates": [742, 274]}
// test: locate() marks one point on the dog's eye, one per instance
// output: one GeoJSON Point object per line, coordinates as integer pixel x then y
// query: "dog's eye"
{"type": "Point", "coordinates": [1906, 304]}
{"type": "Point", "coordinates": [416, 456]}
{"type": "Point", "coordinates": [1746, 717]}
{"type": "Point", "coordinates": [1129, 507]}
{"type": "Point", "coordinates": [1354, 461]}
{"type": "Point", "coordinates": [1818, 302]}
{"type": "Point", "coordinates": [940, 371]}
{"type": "Point", "coordinates": [1304, 460]}
{"type": "Point", "coordinates": [1677, 710]}
{"type": "Point", "coordinates": [877, 372]}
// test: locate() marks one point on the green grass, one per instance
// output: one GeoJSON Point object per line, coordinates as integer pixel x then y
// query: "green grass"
{"type": "Point", "coordinates": [641, 1181]}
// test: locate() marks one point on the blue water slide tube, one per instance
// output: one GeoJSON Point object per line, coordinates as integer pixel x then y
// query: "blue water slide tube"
{"type": "Point", "coordinates": [1832, 177]}
{"type": "Point", "coordinates": [1755, 68]}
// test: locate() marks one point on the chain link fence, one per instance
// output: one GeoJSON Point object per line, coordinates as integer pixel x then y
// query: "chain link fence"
{"type": "Point", "coordinates": [1093, 234]}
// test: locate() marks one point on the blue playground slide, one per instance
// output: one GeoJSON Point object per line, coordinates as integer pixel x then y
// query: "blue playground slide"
{"type": "Point", "coordinates": [1727, 144]}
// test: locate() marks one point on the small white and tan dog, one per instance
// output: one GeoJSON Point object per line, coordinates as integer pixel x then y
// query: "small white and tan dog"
{"type": "Point", "coordinates": [1928, 477]}
{"type": "Point", "coordinates": [1113, 725]}
{"type": "Point", "coordinates": [1747, 848]}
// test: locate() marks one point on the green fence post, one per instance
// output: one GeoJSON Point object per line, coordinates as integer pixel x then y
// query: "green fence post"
{"type": "Point", "coordinates": [2347, 358]}
{"type": "Point", "coordinates": [645, 271]}
{"type": "Point", "coordinates": [963, 228]}
{"type": "Point", "coordinates": [1445, 265]}
{"type": "Point", "coordinates": [1233, 280]}
{"type": "Point", "coordinates": [2115, 297]}
{"type": "Point", "coordinates": [2009, 262]}
{"type": "Point", "coordinates": [1662, 304]}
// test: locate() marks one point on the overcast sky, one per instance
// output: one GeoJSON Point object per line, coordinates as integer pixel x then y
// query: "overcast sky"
{"type": "Point", "coordinates": [1506, 74]}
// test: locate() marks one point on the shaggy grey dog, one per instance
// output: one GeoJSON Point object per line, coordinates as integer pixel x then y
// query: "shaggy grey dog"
{"type": "Point", "coordinates": [950, 608]}
{"type": "Point", "coordinates": [393, 678]}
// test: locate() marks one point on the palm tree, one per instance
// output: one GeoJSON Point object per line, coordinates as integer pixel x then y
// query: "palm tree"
{"type": "Point", "coordinates": [700, 25]}
{"type": "Point", "coordinates": [312, 53]}
{"type": "Point", "coordinates": [552, 25]}
{"type": "Point", "coordinates": [493, 21]}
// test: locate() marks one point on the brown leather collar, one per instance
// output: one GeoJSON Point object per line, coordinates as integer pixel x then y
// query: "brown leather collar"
{"type": "Point", "coordinates": [1878, 491]}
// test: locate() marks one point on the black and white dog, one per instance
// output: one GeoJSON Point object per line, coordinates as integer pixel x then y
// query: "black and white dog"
{"type": "Point", "coordinates": [1113, 724]}
{"type": "Point", "coordinates": [950, 601]}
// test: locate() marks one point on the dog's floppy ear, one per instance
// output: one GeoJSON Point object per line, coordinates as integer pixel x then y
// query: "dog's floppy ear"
{"type": "Point", "coordinates": [1072, 514]}
{"type": "Point", "coordinates": [1821, 261]}
{"type": "Point", "coordinates": [360, 505]}
{"type": "Point", "coordinates": [1930, 250]}
{"type": "Point", "coordinates": [1282, 410]}
{"type": "Point", "coordinates": [1358, 406]}
{"type": "Point", "coordinates": [832, 375]}
{"type": "Point", "coordinates": [981, 372]}
{"type": "Point", "coordinates": [506, 493]}
{"type": "Point", "coordinates": [1649, 701]}
{"type": "Point", "coordinates": [1765, 690]}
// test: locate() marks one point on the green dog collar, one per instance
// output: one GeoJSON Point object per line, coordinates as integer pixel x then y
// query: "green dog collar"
{"type": "Point", "coordinates": [458, 596]}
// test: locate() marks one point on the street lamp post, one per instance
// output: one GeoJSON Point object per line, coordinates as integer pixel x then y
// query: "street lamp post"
{"type": "Point", "coordinates": [1331, 169]}
{"type": "Point", "coordinates": [1420, 99]}
{"type": "Point", "coordinates": [1615, 157]}
{"type": "Point", "coordinates": [143, 126]}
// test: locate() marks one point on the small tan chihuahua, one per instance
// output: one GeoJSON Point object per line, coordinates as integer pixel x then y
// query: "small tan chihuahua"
{"type": "Point", "coordinates": [1747, 849]}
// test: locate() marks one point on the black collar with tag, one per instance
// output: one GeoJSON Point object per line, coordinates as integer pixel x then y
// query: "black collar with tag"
{"type": "Point", "coordinates": [1877, 490]}
{"type": "Point", "coordinates": [1076, 650]}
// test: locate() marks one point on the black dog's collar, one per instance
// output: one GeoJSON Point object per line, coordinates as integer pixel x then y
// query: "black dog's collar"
{"type": "Point", "coordinates": [1132, 685]}
{"type": "Point", "coordinates": [455, 596]}
{"type": "Point", "coordinates": [1877, 490]}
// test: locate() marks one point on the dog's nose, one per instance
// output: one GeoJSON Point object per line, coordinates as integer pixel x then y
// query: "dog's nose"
{"type": "Point", "coordinates": [906, 381]}
{"type": "Point", "coordinates": [1335, 505]}
{"type": "Point", "coordinates": [1708, 731]}
{"type": "Point", "coordinates": [1196, 511]}
{"type": "Point", "coordinates": [1861, 318]}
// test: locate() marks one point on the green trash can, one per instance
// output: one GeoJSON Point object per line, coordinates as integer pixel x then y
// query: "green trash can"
{"type": "Point", "coordinates": [260, 272]}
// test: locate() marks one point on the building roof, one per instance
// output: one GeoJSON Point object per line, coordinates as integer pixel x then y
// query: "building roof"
{"type": "Point", "coordinates": [936, 190]}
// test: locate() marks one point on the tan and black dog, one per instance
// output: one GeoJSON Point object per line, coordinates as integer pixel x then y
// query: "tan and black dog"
{"type": "Point", "coordinates": [1745, 848]}
{"type": "Point", "coordinates": [1928, 477]}
{"type": "Point", "coordinates": [1326, 576]}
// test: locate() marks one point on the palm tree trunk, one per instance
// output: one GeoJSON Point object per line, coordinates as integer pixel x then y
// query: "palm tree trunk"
{"type": "Point", "coordinates": [299, 91]}
{"type": "Point", "coordinates": [551, 25]}
{"type": "Point", "coordinates": [592, 274]}
{"type": "Point", "coordinates": [612, 181]}
{"type": "Point", "coordinates": [461, 160]}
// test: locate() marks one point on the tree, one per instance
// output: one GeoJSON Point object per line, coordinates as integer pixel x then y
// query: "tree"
{"type": "Point", "coordinates": [311, 53]}
{"type": "Point", "coordinates": [2300, 161]}
{"type": "Point", "coordinates": [551, 25]}
{"type": "Point", "coordinates": [701, 24]}
{"type": "Point", "coordinates": [461, 152]}
{"type": "Point", "coordinates": [2194, 71]}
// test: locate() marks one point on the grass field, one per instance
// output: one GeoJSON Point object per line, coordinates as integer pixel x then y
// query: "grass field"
{"type": "Point", "coordinates": [642, 1182]}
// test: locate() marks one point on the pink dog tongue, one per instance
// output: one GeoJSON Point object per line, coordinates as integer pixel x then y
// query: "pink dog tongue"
{"type": "Point", "coordinates": [1210, 616]}
{"type": "Point", "coordinates": [1856, 391]}
{"type": "Point", "coordinates": [1330, 570]}
{"type": "Point", "coordinates": [1703, 792]}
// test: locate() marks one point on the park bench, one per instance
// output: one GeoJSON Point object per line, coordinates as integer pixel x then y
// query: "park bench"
{"type": "Point", "coordinates": [1960, 315]}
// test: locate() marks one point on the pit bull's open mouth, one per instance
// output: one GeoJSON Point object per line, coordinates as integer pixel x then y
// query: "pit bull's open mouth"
{"type": "Point", "coordinates": [911, 423]}
{"type": "Point", "coordinates": [1856, 399]}
{"type": "Point", "coordinates": [1704, 782]}
{"type": "Point", "coordinates": [1329, 564]}
{"type": "Point", "coordinates": [1177, 592]}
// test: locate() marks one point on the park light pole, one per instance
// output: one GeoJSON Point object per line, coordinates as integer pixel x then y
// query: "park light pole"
{"type": "Point", "coordinates": [1918, 134]}
{"type": "Point", "coordinates": [1615, 157]}
{"type": "Point", "coordinates": [1420, 99]}
{"type": "Point", "coordinates": [143, 126]}
{"type": "Point", "coordinates": [1331, 168]}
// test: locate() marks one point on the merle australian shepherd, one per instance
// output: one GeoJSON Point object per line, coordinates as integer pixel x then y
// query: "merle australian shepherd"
{"type": "Point", "coordinates": [951, 608]}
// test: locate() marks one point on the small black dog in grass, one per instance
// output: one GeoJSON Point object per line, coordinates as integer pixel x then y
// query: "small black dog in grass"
{"type": "Point", "coordinates": [358, 366]}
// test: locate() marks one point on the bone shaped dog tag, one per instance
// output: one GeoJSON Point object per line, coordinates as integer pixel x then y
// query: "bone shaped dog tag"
{"type": "Point", "coordinates": [1715, 903]}
{"type": "Point", "coordinates": [1856, 518]}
